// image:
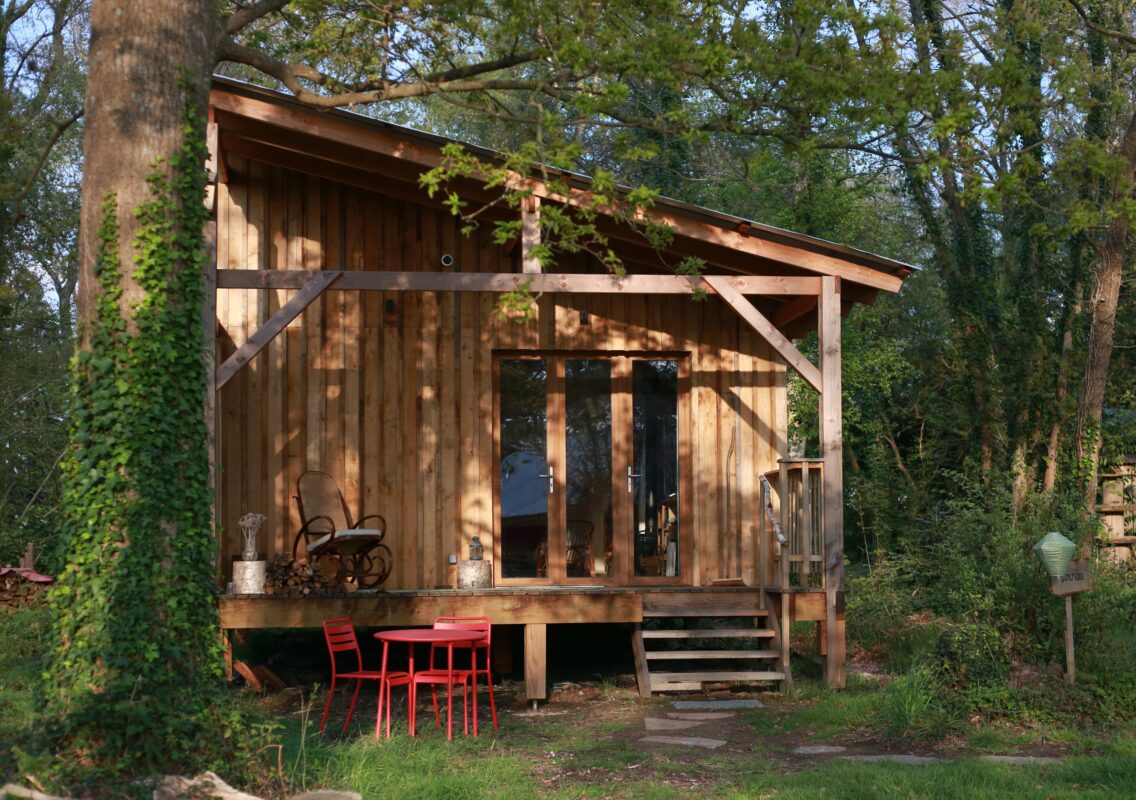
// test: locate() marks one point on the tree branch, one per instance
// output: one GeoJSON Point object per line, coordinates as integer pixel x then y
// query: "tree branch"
{"type": "Point", "coordinates": [1121, 36]}
{"type": "Point", "coordinates": [241, 19]}
{"type": "Point", "coordinates": [471, 70]}
{"type": "Point", "coordinates": [291, 76]}
{"type": "Point", "coordinates": [18, 199]}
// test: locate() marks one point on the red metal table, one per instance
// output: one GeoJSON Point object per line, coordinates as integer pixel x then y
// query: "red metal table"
{"type": "Point", "coordinates": [431, 636]}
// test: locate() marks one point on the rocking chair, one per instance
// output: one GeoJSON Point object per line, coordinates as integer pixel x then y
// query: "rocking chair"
{"type": "Point", "coordinates": [328, 533]}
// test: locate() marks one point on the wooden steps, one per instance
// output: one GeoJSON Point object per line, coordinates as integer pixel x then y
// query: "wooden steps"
{"type": "Point", "coordinates": [705, 655]}
{"type": "Point", "coordinates": [709, 633]}
{"type": "Point", "coordinates": [693, 644]}
{"type": "Point", "coordinates": [650, 611]}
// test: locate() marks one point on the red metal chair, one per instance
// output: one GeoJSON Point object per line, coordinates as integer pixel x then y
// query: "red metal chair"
{"type": "Point", "coordinates": [435, 677]}
{"type": "Point", "coordinates": [484, 647]}
{"type": "Point", "coordinates": [340, 637]}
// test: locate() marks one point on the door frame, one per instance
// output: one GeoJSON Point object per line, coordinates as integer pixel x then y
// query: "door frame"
{"type": "Point", "coordinates": [621, 457]}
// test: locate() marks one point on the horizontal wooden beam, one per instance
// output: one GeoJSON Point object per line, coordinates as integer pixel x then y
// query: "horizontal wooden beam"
{"type": "Point", "coordinates": [309, 291]}
{"type": "Point", "coordinates": [384, 281]}
{"type": "Point", "coordinates": [777, 340]}
{"type": "Point", "coordinates": [400, 609]}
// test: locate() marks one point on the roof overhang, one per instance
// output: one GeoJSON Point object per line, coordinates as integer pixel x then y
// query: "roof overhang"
{"type": "Point", "coordinates": [264, 125]}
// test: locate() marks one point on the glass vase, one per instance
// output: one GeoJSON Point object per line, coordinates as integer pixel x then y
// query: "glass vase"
{"type": "Point", "coordinates": [250, 524]}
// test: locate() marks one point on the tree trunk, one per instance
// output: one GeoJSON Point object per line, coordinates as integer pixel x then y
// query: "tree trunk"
{"type": "Point", "coordinates": [1053, 446]}
{"type": "Point", "coordinates": [135, 611]}
{"type": "Point", "coordinates": [1107, 273]}
{"type": "Point", "coordinates": [149, 61]}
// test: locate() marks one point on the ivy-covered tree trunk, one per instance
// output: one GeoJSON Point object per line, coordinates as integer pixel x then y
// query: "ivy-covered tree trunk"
{"type": "Point", "coordinates": [1107, 277]}
{"type": "Point", "coordinates": [132, 684]}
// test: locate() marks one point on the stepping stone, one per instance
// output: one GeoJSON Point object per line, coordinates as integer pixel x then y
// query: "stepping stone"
{"type": "Point", "coordinates": [654, 724]}
{"type": "Point", "coordinates": [898, 759]}
{"type": "Point", "coordinates": [693, 705]}
{"type": "Point", "coordinates": [819, 749]}
{"type": "Point", "coordinates": [702, 716]}
{"type": "Point", "coordinates": [1023, 759]}
{"type": "Point", "coordinates": [686, 741]}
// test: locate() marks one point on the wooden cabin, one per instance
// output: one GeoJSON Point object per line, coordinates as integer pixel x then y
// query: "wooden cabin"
{"type": "Point", "coordinates": [611, 453]}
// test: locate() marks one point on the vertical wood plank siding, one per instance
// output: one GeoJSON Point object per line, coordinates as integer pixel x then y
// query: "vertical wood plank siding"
{"type": "Point", "coordinates": [392, 393]}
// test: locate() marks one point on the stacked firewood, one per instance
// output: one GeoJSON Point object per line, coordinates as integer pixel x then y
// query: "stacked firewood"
{"type": "Point", "coordinates": [19, 591]}
{"type": "Point", "coordinates": [295, 577]}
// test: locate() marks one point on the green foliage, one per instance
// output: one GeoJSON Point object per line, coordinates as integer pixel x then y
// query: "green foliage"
{"type": "Point", "coordinates": [966, 597]}
{"type": "Point", "coordinates": [911, 706]}
{"type": "Point", "coordinates": [136, 673]}
{"type": "Point", "coordinates": [40, 95]}
{"type": "Point", "coordinates": [22, 660]}
{"type": "Point", "coordinates": [970, 658]}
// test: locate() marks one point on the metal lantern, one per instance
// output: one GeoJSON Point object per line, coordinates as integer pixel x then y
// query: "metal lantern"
{"type": "Point", "coordinates": [476, 550]}
{"type": "Point", "coordinates": [1055, 552]}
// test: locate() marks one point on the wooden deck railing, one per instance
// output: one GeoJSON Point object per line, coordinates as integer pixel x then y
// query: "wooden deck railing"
{"type": "Point", "coordinates": [794, 524]}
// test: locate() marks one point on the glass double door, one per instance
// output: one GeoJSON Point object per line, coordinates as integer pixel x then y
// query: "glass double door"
{"type": "Point", "coordinates": [588, 468]}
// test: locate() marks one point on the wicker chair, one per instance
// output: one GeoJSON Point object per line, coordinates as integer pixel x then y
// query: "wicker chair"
{"type": "Point", "coordinates": [328, 533]}
{"type": "Point", "coordinates": [581, 557]}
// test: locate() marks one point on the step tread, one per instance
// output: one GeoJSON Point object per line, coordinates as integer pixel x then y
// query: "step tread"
{"type": "Point", "coordinates": [720, 633]}
{"type": "Point", "coordinates": [715, 675]}
{"type": "Point", "coordinates": [691, 655]}
{"type": "Point", "coordinates": [651, 611]}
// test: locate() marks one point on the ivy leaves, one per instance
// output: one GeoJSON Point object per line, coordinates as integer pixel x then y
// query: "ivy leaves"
{"type": "Point", "coordinates": [135, 611]}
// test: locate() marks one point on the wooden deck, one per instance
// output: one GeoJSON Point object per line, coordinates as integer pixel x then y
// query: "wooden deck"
{"type": "Point", "coordinates": [505, 606]}
{"type": "Point", "coordinates": [535, 608]}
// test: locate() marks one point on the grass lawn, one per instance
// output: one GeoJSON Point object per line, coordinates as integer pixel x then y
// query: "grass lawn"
{"type": "Point", "coordinates": [588, 743]}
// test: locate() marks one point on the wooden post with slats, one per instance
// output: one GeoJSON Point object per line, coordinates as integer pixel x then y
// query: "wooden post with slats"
{"type": "Point", "coordinates": [831, 443]}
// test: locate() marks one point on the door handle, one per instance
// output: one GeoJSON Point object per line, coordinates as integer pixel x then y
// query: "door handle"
{"type": "Point", "coordinates": [551, 472]}
{"type": "Point", "coordinates": [631, 475]}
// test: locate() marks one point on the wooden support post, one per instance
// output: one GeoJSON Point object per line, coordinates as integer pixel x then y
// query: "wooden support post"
{"type": "Point", "coordinates": [805, 529]}
{"type": "Point", "coordinates": [536, 661]}
{"type": "Point", "coordinates": [639, 650]}
{"type": "Point", "coordinates": [209, 333]}
{"type": "Point", "coordinates": [227, 648]}
{"type": "Point", "coordinates": [530, 233]}
{"type": "Point", "coordinates": [831, 444]}
{"type": "Point", "coordinates": [1070, 663]}
{"type": "Point", "coordinates": [785, 659]}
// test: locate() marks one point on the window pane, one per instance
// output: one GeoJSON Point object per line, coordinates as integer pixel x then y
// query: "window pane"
{"type": "Point", "coordinates": [587, 399]}
{"type": "Point", "coordinates": [654, 392]}
{"type": "Point", "coordinates": [524, 448]}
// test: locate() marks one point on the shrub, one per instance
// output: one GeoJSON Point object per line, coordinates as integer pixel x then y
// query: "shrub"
{"type": "Point", "coordinates": [971, 656]}
{"type": "Point", "coordinates": [911, 707]}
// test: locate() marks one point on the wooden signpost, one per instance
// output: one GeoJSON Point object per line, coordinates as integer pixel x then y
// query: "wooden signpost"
{"type": "Point", "coordinates": [1077, 578]}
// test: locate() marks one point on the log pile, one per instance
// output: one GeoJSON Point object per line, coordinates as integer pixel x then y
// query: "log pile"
{"type": "Point", "coordinates": [22, 588]}
{"type": "Point", "coordinates": [295, 577]}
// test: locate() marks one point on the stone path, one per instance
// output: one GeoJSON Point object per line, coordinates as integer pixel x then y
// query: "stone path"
{"type": "Point", "coordinates": [697, 713]}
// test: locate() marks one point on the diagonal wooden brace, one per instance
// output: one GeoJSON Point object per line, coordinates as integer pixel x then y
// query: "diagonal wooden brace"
{"type": "Point", "coordinates": [276, 323]}
{"type": "Point", "coordinates": [767, 329]}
